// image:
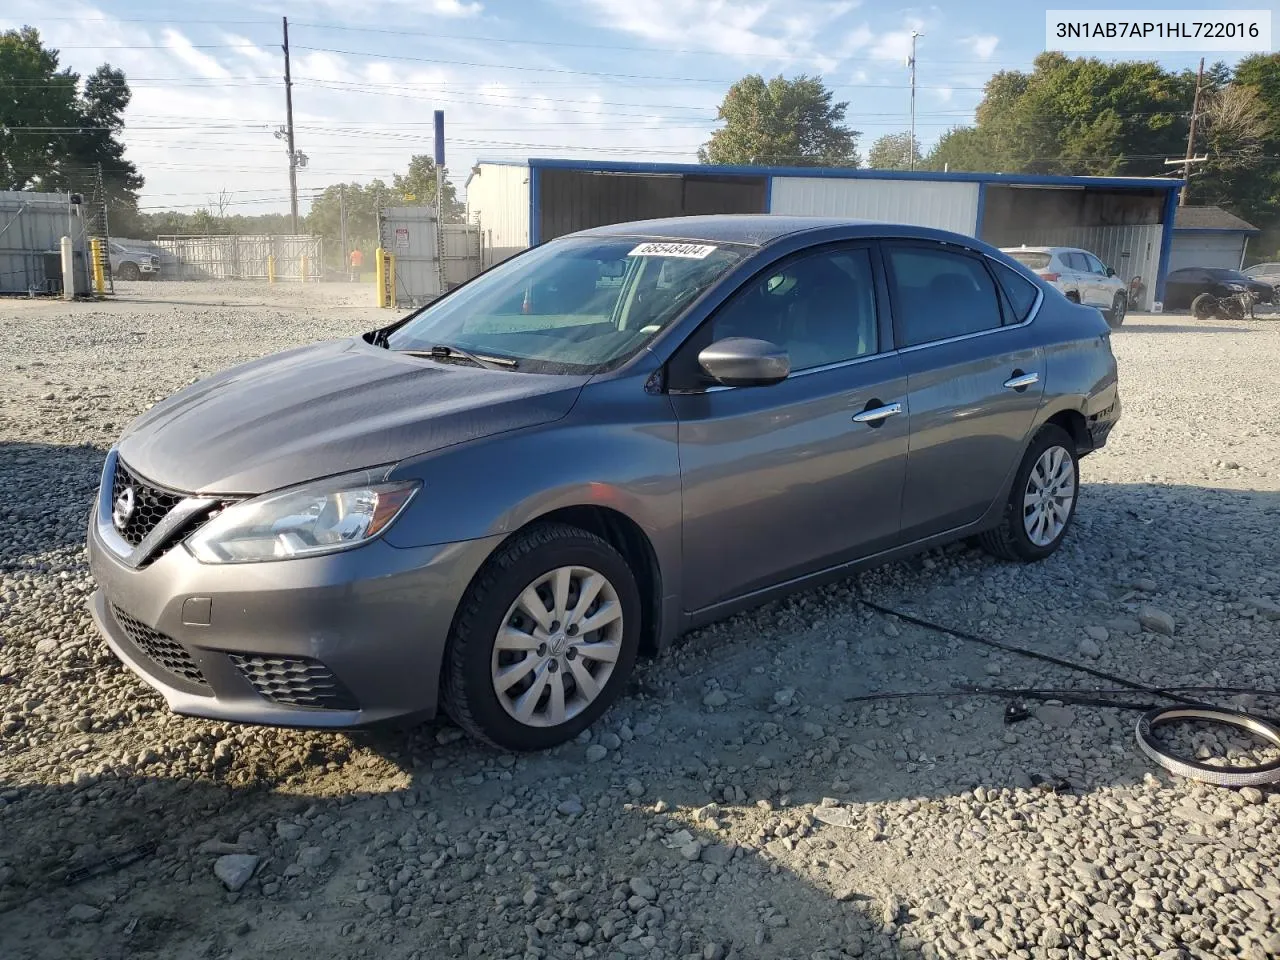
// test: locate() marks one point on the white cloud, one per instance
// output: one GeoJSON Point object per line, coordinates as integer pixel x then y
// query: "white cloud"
{"type": "Point", "coordinates": [786, 30]}
{"type": "Point", "coordinates": [453, 9]}
{"type": "Point", "coordinates": [896, 44]}
{"type": "Point", "coordinates": [982, 45]}
{"type": "Point", "coordinates": [943, 94]}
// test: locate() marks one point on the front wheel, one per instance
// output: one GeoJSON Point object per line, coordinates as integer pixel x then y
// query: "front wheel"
{"type": "Point", "coordinates": [543, 641]}
{"type": "Point", "coordinates": [1119, 307]}
{"type": "Point", "coordinates": [129, 271]}
{"type": "Point", "coordinates": [1042, 502]}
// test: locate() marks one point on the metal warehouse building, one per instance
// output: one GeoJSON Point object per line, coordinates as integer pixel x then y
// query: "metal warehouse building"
{"type": "Point", "coordinates": [1127, 222]}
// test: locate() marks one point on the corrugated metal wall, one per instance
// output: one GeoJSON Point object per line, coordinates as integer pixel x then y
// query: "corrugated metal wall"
{"type": "Point", "coordinates": [498, 200]}
{"type": "Point", "coordinates": [30, 225]}
{"type": "Point", "coordinates": [1194, 249]}
{"type": "Point", "coordinates": [945, 205]}
{"type": "Point", "coordinates": [410, 233]}
{"type": "Point", "coordinates": [1130, 251]}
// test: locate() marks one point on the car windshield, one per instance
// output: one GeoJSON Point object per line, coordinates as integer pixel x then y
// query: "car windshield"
{"type": "Point", "coordinates": [574, 305]}
{"type": "Point", "coordinates": [1223, 273]}
{"type": "Point", "coordinates": [1034, 259]}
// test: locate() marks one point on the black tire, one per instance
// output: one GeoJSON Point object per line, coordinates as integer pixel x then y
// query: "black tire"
{"type": "Point", "coordinates": [467, 689]}
{"type": "Point", "coordinates": [1009, 540]}
{"type": "Point", "coordinates": [1204, 306]}
{"type": "Point", "coordinates": [1073, 297]}
{"type": "Point", "coordinates": [129, 271]}
{"type": "Point", "coordinates": [1119, 307]}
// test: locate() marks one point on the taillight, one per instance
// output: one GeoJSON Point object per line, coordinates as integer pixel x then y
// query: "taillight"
{"type": "Point", "coordinates": [1051, 277]}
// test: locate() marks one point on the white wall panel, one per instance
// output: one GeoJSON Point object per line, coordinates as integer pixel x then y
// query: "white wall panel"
{"type": "Point", "coordinates": [1192, 249]}
{"type": "Point", "coordinates": [498, 199]}
{"type": "Point", "coordinates": [946, 205]}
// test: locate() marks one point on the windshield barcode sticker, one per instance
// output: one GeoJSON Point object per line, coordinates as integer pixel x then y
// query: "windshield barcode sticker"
{"type": "Point", "coordinates": [690, 251]}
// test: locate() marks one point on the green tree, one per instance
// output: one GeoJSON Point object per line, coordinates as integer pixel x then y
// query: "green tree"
{"type": "Point", "coordinates": [419, 183]}
{"type": "Point", "coordinates": [786, 122]}
{"type": "Point", "coordinates": [964, 149]}
{"type": "Point", "coordinates": [53, 135]}
{"type": "Point", "coordinates": [894, 151]}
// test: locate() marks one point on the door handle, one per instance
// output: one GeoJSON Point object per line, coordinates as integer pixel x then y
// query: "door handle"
{"type": "Point", "coordinates": [1020, 380]}
{"type": "Point", "coordinates": [877, 415]}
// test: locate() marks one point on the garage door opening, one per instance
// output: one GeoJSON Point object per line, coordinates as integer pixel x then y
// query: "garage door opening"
{"type": "Point", "coordinates": [570, 200]}
{"type": "Point", "coordinates": [1122, 228]}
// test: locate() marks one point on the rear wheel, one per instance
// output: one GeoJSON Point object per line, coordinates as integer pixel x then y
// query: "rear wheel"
{"type": "Point", "coordinates": [1119, 307]}
{"type": "Point", "coordinates": [1042, 502]}
{"type": "Point", "coordinates": [1073, 297]}
{"type": "Point", "coordinates": [544, 639]}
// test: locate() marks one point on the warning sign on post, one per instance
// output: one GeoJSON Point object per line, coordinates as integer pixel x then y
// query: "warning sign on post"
{"type": "Point", "coordinates": [402, 238]}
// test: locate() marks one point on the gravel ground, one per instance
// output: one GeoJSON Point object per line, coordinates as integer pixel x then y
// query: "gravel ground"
{"type": "Point", "coordinates": [738, 802]}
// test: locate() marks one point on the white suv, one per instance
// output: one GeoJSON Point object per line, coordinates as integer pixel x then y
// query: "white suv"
{"type": "Point", "coordinates": [1080, 275]}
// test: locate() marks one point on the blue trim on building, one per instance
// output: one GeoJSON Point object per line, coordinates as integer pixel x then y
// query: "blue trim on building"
{"type": "Point", "coordinates": [535, 207]}
{"type": "Point", "coordinates": [982, 209]}
{"type": "Point", "coordinates": [1250, 232]}
{"type": "Point", "coordinates": [768, 195]}
{"type": "Point", "coordinates": [849, 173]}
{"type": "Point", "coordinates": [1166, 239]}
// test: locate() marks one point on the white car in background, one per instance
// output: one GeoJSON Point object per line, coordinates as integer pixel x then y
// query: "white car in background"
{"type": "Point", "coordinates": [1080, 276]}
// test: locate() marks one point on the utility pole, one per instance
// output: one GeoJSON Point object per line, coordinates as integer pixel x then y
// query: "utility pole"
{"type": "Point", "coordinates": [342, 224]}
{"type": "Point", "coordinates": [288, 105]}
{"type": "Point", "coordinates": [911, 62]}
{"type": "Point", "coordinates": [1191, 136]}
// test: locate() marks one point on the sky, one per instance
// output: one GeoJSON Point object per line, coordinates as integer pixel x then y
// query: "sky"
{"type": "Point", "coordinates": [605, 79]}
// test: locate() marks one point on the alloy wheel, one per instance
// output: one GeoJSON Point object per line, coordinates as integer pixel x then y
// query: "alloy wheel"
{"type": "Point", "coordinates": [557, 646]}
{"type": "Point", "coordinates": [1050, 493]}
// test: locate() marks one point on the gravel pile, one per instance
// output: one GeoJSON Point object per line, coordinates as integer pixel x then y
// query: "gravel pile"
{"type": "Point", "coordinates": [742, 801]}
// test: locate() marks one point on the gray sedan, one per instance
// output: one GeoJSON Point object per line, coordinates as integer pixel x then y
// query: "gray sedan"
{"type": "Point", "coordinates": [494, 504]}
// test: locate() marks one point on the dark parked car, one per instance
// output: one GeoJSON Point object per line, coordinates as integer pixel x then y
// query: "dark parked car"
{"type": "Point", "coordinates": [1183, 286]}
{"type": "Point", "coordinates": [495, 503]}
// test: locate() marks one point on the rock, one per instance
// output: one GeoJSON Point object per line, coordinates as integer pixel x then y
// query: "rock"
{"type": "Point", "coordinates": [716, 698]}
{"type": "Point", "coordinates": [235, 869]}
{"type": "Point", "coordinates": [530, 897]}
{"type": "Point", "coordinates": [718, 854]}
{"type": "Point", "coordinates": [635, 788]}
{"type": "Point", "coordinates": [892, 909]}
{"type": "Point", "coordinates": [312, 857]}
{"type": "Point", "coordinates": [583, 932]}
{"type": "Point", "coordinates": [289, 831]}
{"type": "Point", "coordinates": [1157, 620]}
{"type": "Point", "coordinates": [46, 646]}
{"type": "Point", "coordinates": [84, 913]}
{"type": "Point", "coordinates": [597, 752]}
{"type": "Point", "coordinates": [1088, 647]}
{"type": "Point", "coordinates": [993, 669]}
{"type": "Point", "coordinates": [643, 888]}
{"type": "Point", "coordinates": [1054, 716]}
{"type": "Point", "coordinates": [1098, 634]}
{"type": "Point", "coordinates": [1125, 625]}
{"type": "Point", "coordinates": [571, 807]}
{"type": "Point", "coordinates": [713, 951]}
{"type": "Point", "coordinates": [814, 731]}
{"type": "Point", "coordinates": [989, 609]}
{"type": "Point", "coordinates": [1252, 795]}
{"type": "Point", "coordinates": [784, 697]}
{"type": "Point", "coordinates": [379, 903]}
{"type": "Point", "coordinates": [1144, 584]}
{"type": "Point", "coordinates": [219, 847]}
{"type": "Point", "coordinates": [1266, 608]}
{"type": "Point", "coordinates": [610, 741]}
{"type": "Point", "coordinates": [1146, 900]}
{"type": "Point", "coordinates": [691, 851]}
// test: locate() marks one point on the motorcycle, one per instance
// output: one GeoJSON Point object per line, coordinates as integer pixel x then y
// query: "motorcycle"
{"type": "Point", "coordinates": [1234, 307]}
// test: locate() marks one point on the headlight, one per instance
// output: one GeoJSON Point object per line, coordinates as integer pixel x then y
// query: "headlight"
{"type": "Point", "coordinates": [1237, 287]}
{"type": "Point", "coordinates": [317, 518]}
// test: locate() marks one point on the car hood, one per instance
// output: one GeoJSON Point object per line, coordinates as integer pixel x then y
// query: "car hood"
{"type": "Point", "coordinates": [321, 410]}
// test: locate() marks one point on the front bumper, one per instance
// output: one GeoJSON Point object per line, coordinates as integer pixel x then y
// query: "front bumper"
{"type": "Point", "coordinates": [340, 641]}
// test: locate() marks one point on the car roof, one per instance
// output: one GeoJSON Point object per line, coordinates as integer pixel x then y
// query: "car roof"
{"type": "Point", "coordinates": [760, 229]}
{"type": "Point", "coordinates": [1012, 250]}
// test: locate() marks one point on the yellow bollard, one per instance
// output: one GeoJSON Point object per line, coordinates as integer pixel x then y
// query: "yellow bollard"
{"type": "Point", "coordinates": [271, 268]}
{"type": "Point", "coordinates": [391, 281]}
{"type": "Point", "coordinates": [380, 277]}
{"type": "Point", "coordinates": [302, 271]}
{"type": "Point", "coordinates": [95, 251]}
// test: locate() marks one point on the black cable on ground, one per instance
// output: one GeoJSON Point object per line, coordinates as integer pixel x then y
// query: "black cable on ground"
{"type": "Point", "coordinates": [1267, 728]}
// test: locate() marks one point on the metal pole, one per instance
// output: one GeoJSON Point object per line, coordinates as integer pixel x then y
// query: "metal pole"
{"type": "Point", "coordinates": [911, 146]}
{"type": "Point", "coordinates": [342, 228]}
{"type": "Point", "coordinates": [293, 156]}
{"type": "Point", "coordinates": [1191, 135]}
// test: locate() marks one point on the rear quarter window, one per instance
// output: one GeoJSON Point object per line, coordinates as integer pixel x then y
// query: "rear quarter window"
{"type": "Point", "coordinates": [1020, 293]}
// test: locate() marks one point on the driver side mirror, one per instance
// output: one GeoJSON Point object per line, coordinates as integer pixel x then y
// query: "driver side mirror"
{"type": "Point", "coordinates": [1110, 272]}
{"type": "Point", "coordinates": [745, 362]}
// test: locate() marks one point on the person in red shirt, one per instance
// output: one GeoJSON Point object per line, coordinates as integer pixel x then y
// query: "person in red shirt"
{"type": "Point", "coordinates": [357, 261]}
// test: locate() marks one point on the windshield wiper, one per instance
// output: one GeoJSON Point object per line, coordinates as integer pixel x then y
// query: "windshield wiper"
{"type": "Point", "coordinates": [442, 351]}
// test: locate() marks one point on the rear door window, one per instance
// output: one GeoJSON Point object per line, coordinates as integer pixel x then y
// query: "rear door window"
{"type": "Point", "coordinates": [939, 293]}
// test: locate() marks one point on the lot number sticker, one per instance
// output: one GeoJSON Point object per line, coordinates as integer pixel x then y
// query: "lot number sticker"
{"type": "Point", "coordinates": [690, 251]}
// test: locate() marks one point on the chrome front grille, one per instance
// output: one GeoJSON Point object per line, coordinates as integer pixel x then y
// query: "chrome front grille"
{"type": "Point", "coordinates": [151, 504]}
